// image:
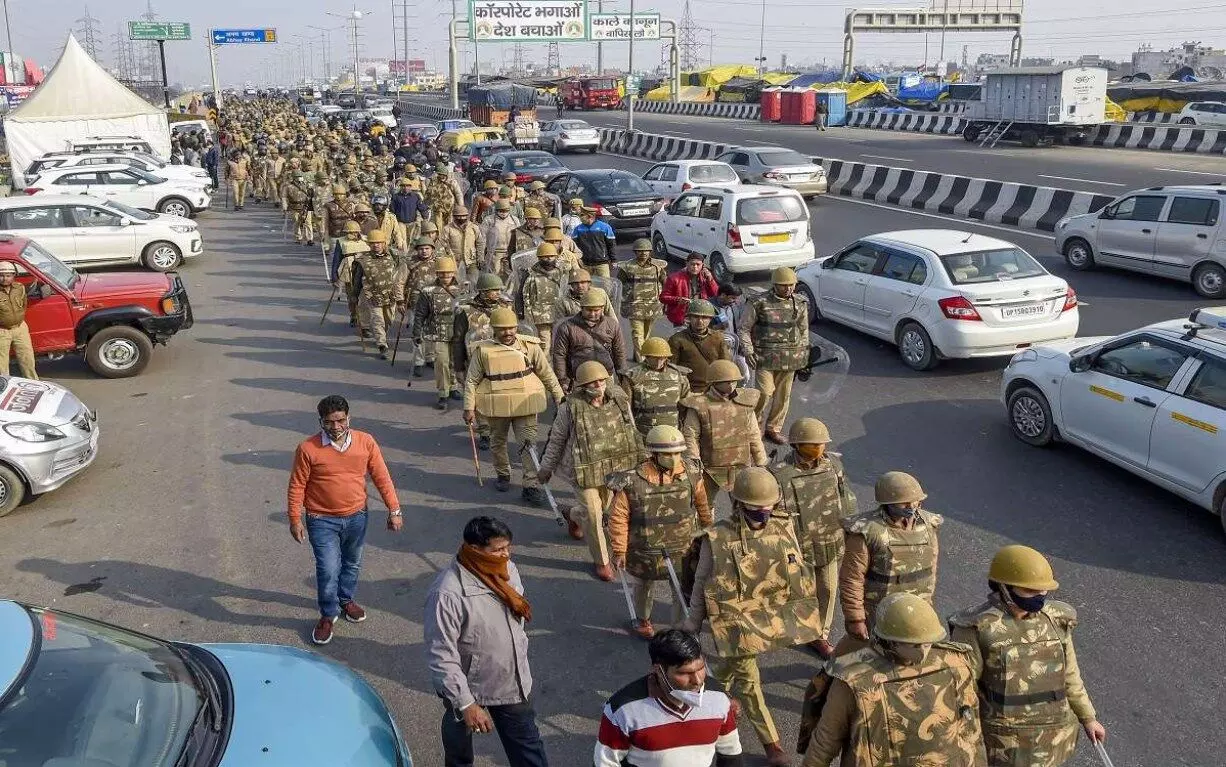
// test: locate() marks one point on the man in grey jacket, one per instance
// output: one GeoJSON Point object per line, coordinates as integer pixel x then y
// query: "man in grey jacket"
{"type": "Point", "coordinates": [478, 652]}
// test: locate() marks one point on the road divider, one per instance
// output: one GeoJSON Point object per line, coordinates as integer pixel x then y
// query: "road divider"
{"type": "Point", "coordinates": [919, 122]}
{"type": "Point", "coordinates": [700, 109]}
{"type": "Point", "coordinates": [1025, 206]}
{"type": "Point", "coordinates": [432, 111]}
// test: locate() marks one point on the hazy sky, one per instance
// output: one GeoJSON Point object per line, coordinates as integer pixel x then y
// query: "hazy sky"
{"type": "Point", "coordinates": [807, 32]}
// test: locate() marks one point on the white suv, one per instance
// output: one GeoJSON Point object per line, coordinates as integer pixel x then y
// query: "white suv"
{"type": "Point", "coordinates": [126, 184]}
{"type": "Point", "coordinates": [1211, 113]}
{"type": "Point", "coordinates": [84, 231]}
{"type": "Point", "coordinates": [1152, 401]}
{"type": "Point", "coordinates": [145, 162]}
{"type": "Point", "coordinates": [739, 228]}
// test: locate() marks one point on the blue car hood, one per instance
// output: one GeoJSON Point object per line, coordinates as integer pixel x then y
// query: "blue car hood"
{"type": "Point", "coordinates": [293, 707]}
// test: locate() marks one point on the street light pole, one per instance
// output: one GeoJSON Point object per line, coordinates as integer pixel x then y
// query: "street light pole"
{"type": "Point", "coordinates": [762, 42]}
{"type": "Point", "coordinates": [630, 94]}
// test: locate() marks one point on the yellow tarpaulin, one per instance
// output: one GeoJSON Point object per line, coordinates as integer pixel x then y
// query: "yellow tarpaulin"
{"type": "Point", "coordinates": [779, 78]}
{"type": "Point", "coordinates": [855, 91]}
{"type": "Point", "coordinates": [716, 76]}
{"type": "Point", "coordinates": [687, 93]}
{"type": "Point", "coordinates": [1115, 113]}
{"type": "Point", "coordinates": [1153, 104]}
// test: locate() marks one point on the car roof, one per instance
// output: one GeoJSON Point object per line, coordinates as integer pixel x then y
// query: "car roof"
{"type": "Point", "coordinates": [756, 148]}
{"type": "Point", "coordinates": [1177, 330]}
{"type": "Point", "coordinates": [942, 242]}
{"type": "Point", "coordinates": [1217, 188]}
{"type": "Point", "coordinates": [497, 142]}
{"type": "Point", "coordinates": [526, 153]}
{"type": "Point", "coordinates": [69, 155]}
{"type": "Point", "coordinates": [38, 200]}
{"type": "Point", "coordinates": [18, 632]}
{"type": "Point", "coordinates": [85, 168]}
{"type": "Point", "coordinates": [692, 163]}
{"type": "Point", "coordinates": [586, 173]}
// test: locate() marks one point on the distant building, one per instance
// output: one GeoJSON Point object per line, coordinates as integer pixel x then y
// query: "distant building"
{"type": "Point", "coordinates": [1160, 64]}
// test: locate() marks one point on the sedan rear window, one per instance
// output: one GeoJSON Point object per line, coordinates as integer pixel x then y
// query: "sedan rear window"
{"type": "Point", "coordinates": [779, 157]}
{"type": "Point", "coordinates": [776, 209]}
{"type": "Point", "coordinates": [991, 266]}
{"type": "Point", "coordinates": [534, 162]}
{"type": "Point", "coordinates": [619, 185]}
{"type": "Point", "coordinates": [711, 174]}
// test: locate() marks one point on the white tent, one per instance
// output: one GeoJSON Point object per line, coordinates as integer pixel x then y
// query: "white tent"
{"type": "Point", "coordinates": [77, 99]}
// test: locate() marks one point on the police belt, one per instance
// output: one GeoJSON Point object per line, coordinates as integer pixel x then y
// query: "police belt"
{"type": "Point", "coordinates": [508, 376]}
{"type": "Point", "coordinates": [1023, 699]}
{"type": "Point", "coordinates": [918, 575]}
{"type": "Point", "coordinates": [643, 279]}
{"type": "Point", "coordinates": [769, 324]}
{"type": "Point", "coordinates": [656, 409]}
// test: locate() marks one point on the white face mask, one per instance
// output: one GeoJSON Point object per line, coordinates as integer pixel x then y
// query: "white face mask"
{"type": "Point", "coordinates": [691, 698]}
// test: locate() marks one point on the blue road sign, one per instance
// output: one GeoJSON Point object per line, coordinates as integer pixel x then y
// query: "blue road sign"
{"type": "Point", "coordinates": [229, 36]}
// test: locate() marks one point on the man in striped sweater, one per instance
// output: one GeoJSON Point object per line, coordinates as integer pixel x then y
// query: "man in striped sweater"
{"type": "Point", "coordinates": [668, 718]}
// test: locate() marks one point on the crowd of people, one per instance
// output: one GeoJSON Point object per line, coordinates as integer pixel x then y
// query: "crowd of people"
{"type": "Point", "coordinates": [519, 311]}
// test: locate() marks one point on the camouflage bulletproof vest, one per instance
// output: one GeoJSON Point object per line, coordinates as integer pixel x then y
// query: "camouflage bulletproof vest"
{"type": "Point", "coordinates": [540, 292]}
{"type": "Point", "coordinates": [510, 388]}
{"type": "Point", "coordinates": [442, 311]}
{"type": "Point", "coordinates": [420, 273]}
{"type": "Point", "coordinates": [460, 243]}
{"type": "Point", "coordinates": [378, 278]}
{"type": "Point", "coordinates": [762, 593]}
{"type": "Point", "coordinates": [819, 499]}
{"type": "Point", "coordinates": [925, 715]}
{"type": "Point", "coordinates": [641, 297]}
{"type": "Point", "coordinates": [723, 425]}
{"type": "Point", "coordinates": [338, 213]}
{"type": "Point", "coordinates": [899, 560]}
{"type": "Point", "coordinates": [662, 518]}
{"type": "Point", "coordinates": [439, 198]}
{"type": "Point", "coordinates": [656, 395]}
{"type": "Point", "coordinates": [1025, 716]}
{"type": "Point", "coordinates": [321, 193]}
{"type": "Point", "coordinates": [605, 440]}
{"type": "Point", "coordinates": [478, 324]}
{"type": "Point", "coordinates": [295, 197]}
{"type": "Point", "coordinates": [780, 340]}
{"type": "Point", "coordinates": [539, 201]}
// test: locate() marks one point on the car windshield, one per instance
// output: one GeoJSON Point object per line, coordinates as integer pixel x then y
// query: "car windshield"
{"type": "Point", "coordinates": [62, 274]}
{"type": "Point", "coordinates": [573, 125]}
{"type": "Point", "coordinates": [779, 157]}
{"type": "Point", "coordinates": [711, 174]}
{"type": "Point", "coordinates": [98, 695]}
{"type": "Point", "coordinates": [776, 209]}
{"type": "Point", "coordinates": [991, 266]}
{"type": "Point", "coordinates": [619, 185]}
{"type": "Point", "coordinates": [534, 162]}
{"type": "Point", "coordinates": [128, 210]}
{"type": "Point", "coordinates": [156, 162]}
{"type": "Point", "coordinates": [146, 175]}
{"type": "Point", "coordinates": [600, 85]}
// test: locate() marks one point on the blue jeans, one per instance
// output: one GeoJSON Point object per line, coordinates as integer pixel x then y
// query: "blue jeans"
{"type": "Point", "coordinates": [516, 728]}
{"type": "Point", "coordinates": [337, 543]}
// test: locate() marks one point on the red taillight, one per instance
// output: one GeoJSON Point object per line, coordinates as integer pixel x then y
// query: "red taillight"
{"type": "Point", "coordinates": [523, 178]}
{"type": "Point", "coordinates": [687, 186]}
{"type": "Point", "coordinates": [1070, 300]}
{"type": "Point", "coordinates": [474, 160]}
{"type": "Point", "coordinates": [598, 208]}
{"type": "Point", "coordinates": [734, 236]}
{"type": "Point", "coordinates": [959, 308]}
{"type": "Point", "coordinates": [32, 190]}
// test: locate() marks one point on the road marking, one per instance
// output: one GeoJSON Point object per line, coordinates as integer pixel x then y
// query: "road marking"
{"type": "Point", "coordinates": [1193, 172]}
{"type": "Point", "coordinates": [884, 157]}
{"type": "Point", "coordinates": [1080, 180]}
{"type": "Point", "coordinates": [925, 214]}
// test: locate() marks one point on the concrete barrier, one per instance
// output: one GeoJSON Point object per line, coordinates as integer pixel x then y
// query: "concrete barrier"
{"type": "Point", "coordinates": [432, 111]}
{"type": "Point", "coordinates": [1022, 205]}
{"type": "Point", "coordinates": [1162, 138]}
{"type": "Point", "coordinates": [919, 122]}
{"type": "Point", "coordinates": [701, 109]}
{"type": "Point", "coordinates": [1151, 117]}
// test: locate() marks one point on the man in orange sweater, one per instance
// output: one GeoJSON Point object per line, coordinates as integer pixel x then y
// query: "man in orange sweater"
{"type": "Point", "coordinates": [329, 481]}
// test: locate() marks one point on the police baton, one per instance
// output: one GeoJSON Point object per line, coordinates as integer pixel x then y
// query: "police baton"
{"type": "Point", "coordinates": [472, 437]}
{"type": "Point", "coordinates": [626, 592]}
{"type": "Point", "coordinates": [1102, 753]}
{"type": "Point", "coordinates": [328, 306]}
{"type": "Point", "coordinates": [672, 576]}
{"type": "Point", "coordinates": [553, 503]}
{"type": "Point", "coordinates": [396, 346]}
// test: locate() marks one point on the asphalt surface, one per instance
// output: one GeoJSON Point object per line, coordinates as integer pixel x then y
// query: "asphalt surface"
{"type": "Point", "coordinates": [179, 527]}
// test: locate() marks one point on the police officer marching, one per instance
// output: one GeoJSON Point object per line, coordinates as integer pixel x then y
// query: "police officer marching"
{"type": "Point", "coordinates": [377, 279]}
{"type": "Point", "coordinates": [471, 327]}
{"type": "Point", "coordinates": [642, 280]}
{"type": "Point", "coordinates": [696, 347]}
{"type": "Point", "coordinates": [434, 321]}
{"type": "Point", "coordinates": [775, 338]}
{"type": "Point", "coordinates": [656, 387]}
{"type": "Point", "coordinates": [818, 496]}
{"type": "Point", "coordinates": [418, 272]}
{"type": "Point", "coordinates": [1031, 696]}
{"type": "Point", "coordinates": [538, 292]}
{"type": "Point", "coordinates": [721, 429]}
{"type": "Point", "coordinates": [345, 251]}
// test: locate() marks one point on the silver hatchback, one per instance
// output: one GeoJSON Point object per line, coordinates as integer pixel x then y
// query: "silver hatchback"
{"type": "Point", "coordinates": [1167, 231]}
{"type": "Point", "coordinates": [47, 437]}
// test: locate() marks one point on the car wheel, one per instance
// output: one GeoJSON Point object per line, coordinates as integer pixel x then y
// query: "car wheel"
{"type": "Point", "coordinates": [12, 490]}
{"type": "Point", "coordinates": [1187, 121]}
{"type": "Point", "coordinates": [118, 351]}
{"type": "Point", "coordinates": [162, 256]}
{"type": "Point", "coordinates": [659, 246]}
{"type": "Point", "coordinates": [175, 206]}
{"type": "Point", "coordinates": [1079, 254]}
{"type": "Point", "coordinates": [591, 150]}
{"type": "Point", "coordinates": [915, 347]}
{"type": "Point", "coordinates": [815, 314]}
{"type": "Point", "coordinates": [719, 269]}
{"type": "Point", "coordinates": [1209, 280]}
{"type": "Point", "coordinates": [1030, 416]}
{"type": "Point", "coordinates": [971, 133]}
{"type": "Point", "coordinates": [1028, 139]}
{"type": "Point", "coordinates": [1221, 513]}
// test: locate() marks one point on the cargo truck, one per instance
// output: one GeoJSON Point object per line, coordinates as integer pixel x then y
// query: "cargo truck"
{"type": "Point", "coordinates": [1037, 106]}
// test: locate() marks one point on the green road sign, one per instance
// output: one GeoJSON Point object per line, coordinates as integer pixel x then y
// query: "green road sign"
{"type": "Point", "coordinates": [159, 30]}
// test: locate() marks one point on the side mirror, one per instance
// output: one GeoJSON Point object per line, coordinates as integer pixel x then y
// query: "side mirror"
{"type": "Point", "coordinates": [142, 182]}
{"type": "Point", "coordinates": [1108, 212]}
{"type": "Point", "coordinates": [1081, 363]}
{"type": "Point", "coordinates": [828, 263]}
{"type": "Point", "coordinates": [125, 221]}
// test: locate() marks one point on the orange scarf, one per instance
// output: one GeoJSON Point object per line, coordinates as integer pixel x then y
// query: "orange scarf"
{"type": "Point", "coordinates": [492, 571]}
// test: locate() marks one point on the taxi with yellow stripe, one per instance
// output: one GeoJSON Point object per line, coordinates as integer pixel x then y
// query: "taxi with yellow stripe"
{"type": "Point", "coordinates": [1152, 400]}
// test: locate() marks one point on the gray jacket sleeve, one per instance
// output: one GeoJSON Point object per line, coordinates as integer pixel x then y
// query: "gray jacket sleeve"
{"type": "Point", "coordinates": [444, 622]}
{"type": "Point", "coordinates": [559, 438]}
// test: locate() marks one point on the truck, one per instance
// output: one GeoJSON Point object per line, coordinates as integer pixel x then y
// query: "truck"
{"type": "Point", "coordinates": [1037, 106]}
{"type": "Point", "coordinates": [491, 105]}
{"type": "Point", "coordinates": [591, 93]}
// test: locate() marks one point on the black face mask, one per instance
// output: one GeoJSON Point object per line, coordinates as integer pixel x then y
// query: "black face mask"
{"type": "Point", "coordinates": [1025, 604]}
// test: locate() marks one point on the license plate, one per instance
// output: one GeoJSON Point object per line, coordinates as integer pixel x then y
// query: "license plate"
{"type": "Point", "coordinates": [780, 237]}
{"type": "Point", "coordinates": [800, 176]}
{"type": "Point", "coordinates": [634, 212]}
{"type": "Point", "coordinates": [1034, 310]}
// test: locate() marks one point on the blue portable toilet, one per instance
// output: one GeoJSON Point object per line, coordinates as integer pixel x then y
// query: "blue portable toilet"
{"type": "Point", "coordinates": [834, 102]}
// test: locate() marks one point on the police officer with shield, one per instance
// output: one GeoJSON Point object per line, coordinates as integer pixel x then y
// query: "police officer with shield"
{"type": "Point", "coordinates": [656, 386]}
{"type": "Point", "coordinates": [775, 340]}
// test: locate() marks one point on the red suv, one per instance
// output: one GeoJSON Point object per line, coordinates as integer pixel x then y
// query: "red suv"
{"type": "Point", "coordinates": [113, 318]}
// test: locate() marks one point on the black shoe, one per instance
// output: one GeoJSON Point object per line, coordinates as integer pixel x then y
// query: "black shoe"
{"type": "Point", "coordinates": [502, 484]}
{"type": "Point", "coordinates": [309, 244]}
{"type": "Point", "coordinates": [441, 404]}
{"type": "Point", "coordinates": [353, 323]}
{"type": "Point", "coordinates": [457, 396]}
{"type": "Point", "coordinates": [417, 371]}
{"type": "Point", "coordinates": [383, 351]}
{"type": "Point", "coordinates": [534, 496]}
{"type": "Point", "coordinates": [430, 364]}
{"type": "Point", "coordinates": [365, 333]}
{"type": "Point", "coordinates": [483, 442]}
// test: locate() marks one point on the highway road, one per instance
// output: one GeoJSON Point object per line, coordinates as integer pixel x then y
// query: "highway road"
{"type": "Point", "coordinates": [179, 530]}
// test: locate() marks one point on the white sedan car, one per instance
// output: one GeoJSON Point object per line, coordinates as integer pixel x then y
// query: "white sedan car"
{"type": "Point", "coordinates": [672, 178]}
{"type": "Point", "coordinates": [940, 293]}
{"type": "Point", "coordinates": [125, 184]}
{"type": "Point", "coordinates": [568, 135]}
{"type": "Point", "coordinates": [145, 162]}
{"type": "Point", "coordinates": [1152, 400]}
{"type": "Point", "coordinates": [47, 437]}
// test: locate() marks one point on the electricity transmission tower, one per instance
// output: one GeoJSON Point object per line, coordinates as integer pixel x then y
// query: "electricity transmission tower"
{"type": "Point", "coordinates": [125, 62]}
{"type": "Point", "coordinates": [517, 62]}
{"type": "Point", "coordinates": [87, 34]}
{"type": "Point", "coordinates": [553, 62]}
{"type": "Point", "coordinates": [689, 48]}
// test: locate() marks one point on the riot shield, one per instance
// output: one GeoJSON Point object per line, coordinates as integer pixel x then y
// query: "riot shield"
{"type": "Point", "coordinates": [613, 287]}
{"type": "Point", "coordinates": [820, 381]}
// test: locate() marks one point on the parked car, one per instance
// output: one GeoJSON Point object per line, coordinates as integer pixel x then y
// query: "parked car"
{"type": "Point", "coordinates": [187, 127]}
{"type": "Point", "coordinates": [622, 199]}
{"type": "Point", "coordinates": [528, 166]}
{"type": "Point", "coordinates": [476, 153]}
{"type": "Point", "coordinates": [941, 294]}
{"type": "Point", "coordinates": [1151, 400]}
{"type": "Point", "coordinates": [384, 115]}
{"type": "Point", "coordinates": [569, 135]}
{"type": "Point", "coordinates": [145, 162]}
{"type": "Point", "coordinates": [113, 318]}
{"type": "Point", "coordinates": [84, 231]}
{"type": "Point", "coordinates": [672, 178]}
{"type": "Point", "coordinates": [739, 228]}
{"type": "Point", "coordinates": [47, 437]}
{"type": "Point", "coordinates": [423, 131]}
{"type": "Point", "coordinates": [1166, 231]}
{"type": "Point", "coordinates": [113, 144]}
{"type": "Point", "coordinates": [777, 166]}
{"type": "Point", "coordinates": [457, 139]}
{"type": "Point", "coordinates": [126, 184]}
{"type": "Point", "coordinates": [75, 691]}
{"type": "Point", "coordinates": [1207, 113]}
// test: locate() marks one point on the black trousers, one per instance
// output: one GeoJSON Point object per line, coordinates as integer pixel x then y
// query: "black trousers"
{"type": "Point", "coordinates": [516, 728]}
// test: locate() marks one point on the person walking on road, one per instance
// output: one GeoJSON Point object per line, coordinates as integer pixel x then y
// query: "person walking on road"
{"type": "Point", "coordinates": [819, 116]}
{"type": "Point", "coordinates": [597, 242]}
{"type": "Point", "coordinates": [477, 651]}
{"type": "Point", "coordinates": [696, 347]}
{"type": "Point", "coordinates": [682, 287]}
{"type": "Point", "coordinates": [328, 480]}
{"type": "Point", "coordinates": [591, 334]}
{"type": "Point", "coordinates": [14, 332]}
{"type": "Point", "coordinates": [238, 170]}
{"type": "Point", "coordinates": [774, 337]}
{"type": "Point", "coordinates": [669, 718]}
